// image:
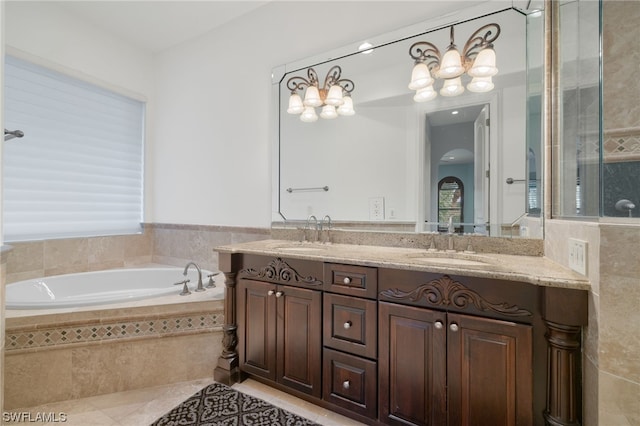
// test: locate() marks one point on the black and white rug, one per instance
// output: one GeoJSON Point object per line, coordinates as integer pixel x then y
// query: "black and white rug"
{"type": "Point", "coordinates": [218, 405]}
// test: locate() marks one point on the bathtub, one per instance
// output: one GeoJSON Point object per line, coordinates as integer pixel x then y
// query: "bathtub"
{"type": "Point", "coordinates": [101, 287]}
{"type": "Point", "coordinates": [133, 331]}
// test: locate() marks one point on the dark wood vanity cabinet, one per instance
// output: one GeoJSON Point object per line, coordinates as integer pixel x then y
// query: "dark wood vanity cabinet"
{"type": "Point", "coordinates": [439, 368]}
{"type": "Point", "coordinates": [400, 346]}
{"type": "Point", "coordinates": [280, 334]}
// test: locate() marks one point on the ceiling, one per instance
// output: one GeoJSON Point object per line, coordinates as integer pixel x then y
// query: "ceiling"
{"type": "Point", "coordinates": [156, 25]}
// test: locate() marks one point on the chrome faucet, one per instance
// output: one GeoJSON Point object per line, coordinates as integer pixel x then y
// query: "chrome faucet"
{"type": "Point", "coordinates": [328, 219]}
{"type": "Point", "coordinates": [315, 220]}
{"type": "Point", "coordinates": [186, 268]}
{"type": "Point", "coordinates": [325, 237]}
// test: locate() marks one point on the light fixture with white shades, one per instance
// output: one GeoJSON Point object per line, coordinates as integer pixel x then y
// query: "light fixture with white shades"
{"type": "Point", "coordinates": [477, 60]}
{"type": "Point", "coordinates": [334, 96]}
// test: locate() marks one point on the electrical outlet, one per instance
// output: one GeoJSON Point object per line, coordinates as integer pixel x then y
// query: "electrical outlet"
{"type": "Point", "coordinates": [578, 255]}
{"type": "Point", "coordinates": [376, 208]}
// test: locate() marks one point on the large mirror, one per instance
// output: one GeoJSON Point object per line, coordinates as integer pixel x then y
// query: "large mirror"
{"type": "Point", "coordinates": [469, 163]}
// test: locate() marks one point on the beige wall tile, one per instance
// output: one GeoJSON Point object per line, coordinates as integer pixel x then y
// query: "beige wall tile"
{"type": "Point", "coordinates": [105, 250]}
{"type": "Point", "coordinates": [620, 250]}
{"type": "Point", "coordinates": [26, 257]}
{"type": "Point", "coordinates": [35, 378]}
{"type": "Point", "coordinates": [65, 256]}
{"type": "Point", "coordinates": [619, 403]}
{"type": "Point", "coordinates": [590, 393]}
{"type": "Point", "coordinates": [619, 327]}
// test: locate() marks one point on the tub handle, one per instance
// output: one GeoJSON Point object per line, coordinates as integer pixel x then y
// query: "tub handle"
{"type": "Point", "coordinates": [185, 287]}
{"type": "Point", "coordinates": [211, 284]}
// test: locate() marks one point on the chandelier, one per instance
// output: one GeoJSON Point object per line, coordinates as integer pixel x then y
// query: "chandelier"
{"type": "Point", "coordinates": [334, 96]}
{"type": "Point", "coordinates": [477, 60]}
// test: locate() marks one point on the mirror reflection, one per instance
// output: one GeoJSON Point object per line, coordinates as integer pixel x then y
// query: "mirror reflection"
{"type": "Point", "coordinates": [452, 162]}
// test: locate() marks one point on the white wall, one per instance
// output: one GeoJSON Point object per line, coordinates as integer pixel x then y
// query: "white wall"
{"type": "Point", "coordinates": [214, 97]}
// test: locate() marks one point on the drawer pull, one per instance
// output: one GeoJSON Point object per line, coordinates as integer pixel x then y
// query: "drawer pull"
{"type": "Point", "coordinates": [347, 325]}
{"type": "Point", "coordinates": [438, 325]}
{"type": "Point", "coordinates": [453, 326]}
{"type": "Point", "coordinates": [279, 294]}
{"type": "Point", "coordinates": [346, 280]}
{"type": "Point", "coordinates": [346, 384]}
{"type": "Point", "coordinates": [270, 293]}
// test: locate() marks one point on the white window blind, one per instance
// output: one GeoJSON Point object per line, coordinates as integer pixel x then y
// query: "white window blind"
{"type": "Point", "coordinates": [78, 170]}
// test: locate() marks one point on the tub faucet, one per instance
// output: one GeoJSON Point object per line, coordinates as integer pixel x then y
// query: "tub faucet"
{"type": "Point", "coordinates": [186, 268]}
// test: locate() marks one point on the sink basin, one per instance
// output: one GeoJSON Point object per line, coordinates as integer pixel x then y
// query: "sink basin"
{"type": "Point", "coordinates": [451, 259]}
{"type": "Point", "coordinates": [300, 248]}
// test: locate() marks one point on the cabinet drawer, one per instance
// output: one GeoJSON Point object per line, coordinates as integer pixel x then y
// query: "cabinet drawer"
{"type": "Point", "coordinates": [361, 281]}
{"type": "Point", "coordinates": [350, 325]}
{"type": "Point", "coordinates": [350, 382]}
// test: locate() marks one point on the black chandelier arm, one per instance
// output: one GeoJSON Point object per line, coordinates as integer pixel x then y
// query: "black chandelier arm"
{"type": "Point", "coordinates": [481, 38]}
{"type": "Point", "coordinates": [346, 84]}
{"type": "Point", "coordinates": [423, 51]}
{"type": "Point", "coordinates": [297, 83]}
{"type": "Point", "coordinates": [332, 77]}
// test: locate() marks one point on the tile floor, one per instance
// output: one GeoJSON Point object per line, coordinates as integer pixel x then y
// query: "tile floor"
{"type": "Point", "coordinates": [143, 406]}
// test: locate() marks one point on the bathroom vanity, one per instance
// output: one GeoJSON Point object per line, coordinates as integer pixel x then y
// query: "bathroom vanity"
{"type": "Point", "coordinates": [406, 336]}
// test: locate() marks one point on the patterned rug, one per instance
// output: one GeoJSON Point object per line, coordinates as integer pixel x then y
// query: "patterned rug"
{"type": "Point", "coordinates": [218, 405]}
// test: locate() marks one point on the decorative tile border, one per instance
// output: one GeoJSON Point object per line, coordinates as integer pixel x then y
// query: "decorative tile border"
{"type": "Point", "coordinates": [621, 145]}
{"type": "Point", "coordinates": [40, 337]}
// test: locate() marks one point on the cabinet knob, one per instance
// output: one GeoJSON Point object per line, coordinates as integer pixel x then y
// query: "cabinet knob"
{"type": "Point", "coordinates": [438, 325]}
{"type": "Point", "coordinates": [453, 327]}
{"type": "Point", "coordinates": [346, 384]}
{"type": "Point", "coordinates": [279, 294]}
{"type": "Point", "coordinates": [347, 325]}
{"type": "Point", "coordinates": [346, 280]}
{"type": "Point", "coordinates": [270, 293]}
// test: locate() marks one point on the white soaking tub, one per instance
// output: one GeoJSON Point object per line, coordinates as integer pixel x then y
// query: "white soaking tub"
{"type": "Point", "coordinates": [102, 287]}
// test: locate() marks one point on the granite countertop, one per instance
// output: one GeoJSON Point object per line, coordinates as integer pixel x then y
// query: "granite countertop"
{"type": "Point", "coordinates": [537, 270]}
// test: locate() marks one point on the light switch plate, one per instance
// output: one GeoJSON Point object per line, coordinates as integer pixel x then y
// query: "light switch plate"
{"type": "Point", "coordinates": [578, 255]}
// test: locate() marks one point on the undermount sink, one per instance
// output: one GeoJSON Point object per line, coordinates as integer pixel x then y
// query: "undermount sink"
{"type": "Point", "coordinates": [302, 248]}
{"type": "Point", "coordinates": [452, 259]}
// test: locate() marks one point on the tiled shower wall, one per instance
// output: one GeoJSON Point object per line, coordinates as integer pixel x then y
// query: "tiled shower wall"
{"type": "Point", "coordinates": [159, 243]}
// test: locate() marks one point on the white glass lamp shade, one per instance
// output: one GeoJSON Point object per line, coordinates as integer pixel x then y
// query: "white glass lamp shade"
{"type": "Point", "coordinates": [485, 64]}
{"type": "Point", "coordinates": [425, 94]}
{"type": "Point", "coordinates": [420, 76]}
{"type": "Point", "coordinates": [334, 97]}
{"type": "Point", "coordinates": [346, 108]}
{"type": "Point", "coordinates": [295, 104]}
{"type": "Point", "coordinates": [312, 97]}
{"type": "Point", "coordinates": [451, 65]}
{"type": "Point", "coordinates": [328, 112]}
{"type": "Point", "coordinates": [452, 87]}
{"type": "Point", "coordinates": [480, 85]}
{"type": "Point", "coordinates": [309, 115]}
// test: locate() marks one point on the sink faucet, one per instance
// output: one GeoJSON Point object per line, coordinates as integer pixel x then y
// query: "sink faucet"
{"type": "Point", "coordinates": [308, 226]}
{"type": "Point", "coordinates": [186, 268]}
{"type": "Point", "coordinates": [315, 220]}
{"type": "Point", "coordinates": [328, 219]}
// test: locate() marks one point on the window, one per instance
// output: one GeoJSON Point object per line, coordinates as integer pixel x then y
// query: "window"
{"type": "Point", "coordinates": [450, 202]}
{"type": "Point", "coordinates": [78, 170]}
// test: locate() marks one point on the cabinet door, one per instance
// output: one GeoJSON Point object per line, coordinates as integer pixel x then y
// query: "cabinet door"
{"type": "Point", "coordinates": [489, 372]}
{"type": "Point", "coordinates": [412, 365]}
{"type": "Point", "coordinates": [299, 337]}
{"type": "Point", "coordinates": [257, 328]}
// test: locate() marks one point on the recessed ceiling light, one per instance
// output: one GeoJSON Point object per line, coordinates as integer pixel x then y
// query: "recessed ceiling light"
{"type": "Point", "coordinates": [454, 112]}
{"type": "Point", "coordinates": [365, 48]}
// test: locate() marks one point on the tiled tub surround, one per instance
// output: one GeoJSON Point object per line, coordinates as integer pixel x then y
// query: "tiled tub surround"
{"type": "Point", "coordinates": [57, 355]}
{"type": "Point", "coordinates": [166, 244]}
